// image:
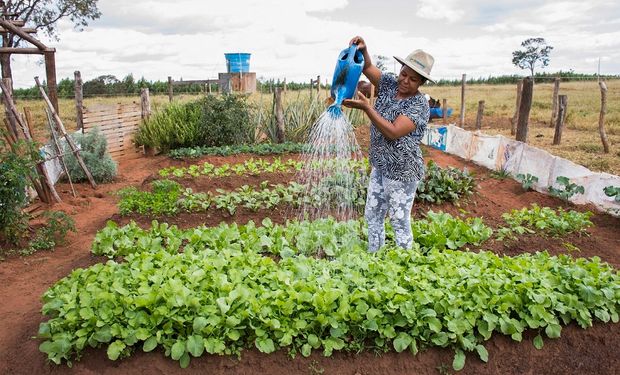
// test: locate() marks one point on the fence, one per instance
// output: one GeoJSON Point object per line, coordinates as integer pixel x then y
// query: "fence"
{"type": "Point", "coordinates": [118, 123]}
{"type": "Point", "coordinates": [502, 153]}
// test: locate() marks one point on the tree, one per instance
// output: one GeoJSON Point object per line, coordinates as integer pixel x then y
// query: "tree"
{"type": "Point", "coordinates": [44, 15]}
{"type": "Point", "coordinates": [536, 51]}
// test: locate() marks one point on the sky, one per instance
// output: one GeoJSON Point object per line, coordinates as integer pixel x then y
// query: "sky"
{"type": "Point", "coordinates": [298, 40]}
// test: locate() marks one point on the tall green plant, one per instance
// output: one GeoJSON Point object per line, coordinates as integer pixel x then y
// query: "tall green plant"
{"type": "Point", "coordinates": [225, 121]}
{"type": "Point", "coordinates": [16, 166]}
{"type": "Point", "coordinates": [177, 125]}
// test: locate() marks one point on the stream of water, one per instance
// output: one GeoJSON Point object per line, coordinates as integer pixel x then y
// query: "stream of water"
{"type": "Point", "coordinates": [333, 171]}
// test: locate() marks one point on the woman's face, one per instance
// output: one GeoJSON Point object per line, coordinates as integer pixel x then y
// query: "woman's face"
{"type": "Point", "coordinates": [408, 81]}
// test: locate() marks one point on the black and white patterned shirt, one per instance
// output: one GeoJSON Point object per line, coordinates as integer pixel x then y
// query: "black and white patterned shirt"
{"type": "Point", "coordinates": [399, 159]}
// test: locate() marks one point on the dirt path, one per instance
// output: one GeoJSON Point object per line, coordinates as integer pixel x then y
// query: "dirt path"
{"type": "Point", "coordinates": [23, 281]}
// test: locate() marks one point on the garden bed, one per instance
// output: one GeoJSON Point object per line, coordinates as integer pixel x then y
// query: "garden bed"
{"type": "Point", "coordinates": [24, 280]}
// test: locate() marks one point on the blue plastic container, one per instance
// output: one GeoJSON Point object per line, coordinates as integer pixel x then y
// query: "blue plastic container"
{"type": "Point", "coordinates": [348, 71]}
{"type": "Point", "coordinates": [237, 62]}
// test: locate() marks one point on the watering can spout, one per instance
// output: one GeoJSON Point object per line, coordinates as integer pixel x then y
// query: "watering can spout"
{"type": "Point", "coordinates": [348, 71]}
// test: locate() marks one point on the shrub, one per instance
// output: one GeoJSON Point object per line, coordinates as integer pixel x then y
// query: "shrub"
{"type": "Point", "coordinates": [225, 121]}
{"type": "Point", "coordinates": [16, 165]}
{"type": "Point", "coordinates": [97, 159]}
{"type": "Point", "coordinates": [175, 126]}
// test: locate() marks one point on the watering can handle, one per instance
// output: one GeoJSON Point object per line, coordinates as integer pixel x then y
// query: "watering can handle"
{"type": "Point", "coordinates": [352, 51]}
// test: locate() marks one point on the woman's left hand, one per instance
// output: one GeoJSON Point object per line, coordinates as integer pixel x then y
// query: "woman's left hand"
{"type": "Point", "coordinates": [360, 102]}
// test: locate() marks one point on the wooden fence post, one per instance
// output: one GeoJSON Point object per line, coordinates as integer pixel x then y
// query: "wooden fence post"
{"type": "Point", "coordinates": [525, 106]}
{"type": "Point", "coordinates": [145, 103]}
{"type": "Point", "coordinates": [50, 73]}
{"type": "Point", "coordinates": [559, 124]}
{"type": "Point", "coordinates": [462, 121]}
{"type": "Point", "coordinates": [277, 94]}
{"type": "Point", "coordinates": [284, 84]}
{"type": "Point", "coordinates": [479, 115]}
{"type": "Point", "coordinates": [170, 92]}
{"type": "Point", "coordinates": [601, 118]}
{"type": "Point", "coordinates": [318, 85]}
{"type": "Point", "coordinates": [554, 102]}
{"type": "Point", "coordinates": [515, 118]}
{"type": "Point", "coordinates": [444, 111]}
{"type": "Point", "coordinates": [79, 100]}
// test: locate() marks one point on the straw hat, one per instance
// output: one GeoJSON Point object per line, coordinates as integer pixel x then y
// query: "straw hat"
{"type": "Point", "coordinates": [419, 61]}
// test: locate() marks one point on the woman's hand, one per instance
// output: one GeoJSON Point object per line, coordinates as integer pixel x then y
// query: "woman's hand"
{"type": "Point", "coordinates": [360, 102]}
{"type": "Point", "coordinates": [361, 44]}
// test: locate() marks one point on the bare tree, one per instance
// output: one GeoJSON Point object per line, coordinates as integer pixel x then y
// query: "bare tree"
{"type": "Point", "coordinates": [536, 51]}
{"type": "Point", "coordinates": [43, 15]}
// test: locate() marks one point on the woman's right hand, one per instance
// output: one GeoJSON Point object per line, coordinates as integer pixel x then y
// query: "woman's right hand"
{"type": "Point", "coordinates": [361, 44]}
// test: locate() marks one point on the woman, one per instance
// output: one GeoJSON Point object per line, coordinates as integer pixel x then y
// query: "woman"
{"type": "Point", "coordinates": [399, 119]}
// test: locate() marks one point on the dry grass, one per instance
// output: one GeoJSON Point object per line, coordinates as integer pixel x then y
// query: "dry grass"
{"type": "Point", "coordinates": [580, 140]}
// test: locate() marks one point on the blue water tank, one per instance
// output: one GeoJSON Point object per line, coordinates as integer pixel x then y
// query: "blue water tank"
{"type": "Point", "coordinates": [237, 62]}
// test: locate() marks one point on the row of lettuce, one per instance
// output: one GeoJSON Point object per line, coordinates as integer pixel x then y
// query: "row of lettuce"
{"type": "Point", "coordinates": [214, 290]}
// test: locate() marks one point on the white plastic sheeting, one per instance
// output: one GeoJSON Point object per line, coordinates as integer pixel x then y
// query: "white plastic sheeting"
{"type": "Point", "coordinates": [498, 152]}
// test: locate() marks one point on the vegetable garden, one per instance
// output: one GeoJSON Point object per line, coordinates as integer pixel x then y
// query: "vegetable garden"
{"type": "Point", "coordinates": [194, 260]}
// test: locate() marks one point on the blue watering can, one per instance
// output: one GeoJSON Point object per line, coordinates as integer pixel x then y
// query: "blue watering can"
{"type": "Point", "coordinates": [348, 70]}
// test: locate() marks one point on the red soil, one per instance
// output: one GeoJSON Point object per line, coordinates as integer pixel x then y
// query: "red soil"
{"type": "Point", "coordinates": [24, 279]}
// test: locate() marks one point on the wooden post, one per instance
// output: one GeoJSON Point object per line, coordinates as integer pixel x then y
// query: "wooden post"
{"type": "Point", "coordinates": [479, 115]}
{"type": "Point", "coordinates": [515, 118]}
{"type": "Point", "coordinates": [50, 73]}
{"type": "Point", "coordinates": [601, 117]}
{"type": "Point", "coordinates": [170, 92]}
{"type": "Point", "coordinates": [145, 103]}
{"type": "Point", "coordinates": [279, 115]}
{"type": "Point", "coordinates": [525, 106]}
{"type": "Point", "coordinates": [444, 111]}
{"type": "Point", "coordinates": [29, 118]}
{"type": "Point", "coordinates": [318, 85]}
{"type": "Point", "coordinates": [462, 121]}
{"type": "Point", "coordinates": [554, 102]}
{"type": "Point", "coordinates": [559, 124]}
{"type": "Point", "coordinates": [285, 85]}
{"type": "Point", "coordinates": [10, 116]}
{"type": "Point", "coordinates": [311, 86]}
{"type": "Point", "coordinates": [79, 100]}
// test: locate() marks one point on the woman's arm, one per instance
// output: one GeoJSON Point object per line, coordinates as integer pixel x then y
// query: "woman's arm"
{"type": "Point", "coordinates": [370, 71]}
{"type": "Point", "coordinates": [401, 126]}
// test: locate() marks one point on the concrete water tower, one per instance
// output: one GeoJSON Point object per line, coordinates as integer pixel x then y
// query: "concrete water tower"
{"type": "Point", "coordinates": [238, 76]}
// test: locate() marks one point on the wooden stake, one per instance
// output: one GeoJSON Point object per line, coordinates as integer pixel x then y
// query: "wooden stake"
{"type": "Point", "coordinates": [479, 115]}
{"type": "Point", "coordinates": [444, 111]}
{"type": "Point", "coordinates": [279, 115]}
{"type": "Point", "coordinates": [79, 101]}
{"type": "Point", "coordinates": [170, 92]}
{"type": "Point", "coordinates": [63, 133]}
{"type": "Point", "coordinates": [145, 102]}
{"type": "Point", "coordinates": [59, 151]}
{"type": "Point", "coordinates": [601, 117]}
{"type": "Point", "coordinates": [462, 121]}
{"type": "Point", "coordinates": [525, 106]}
{"type": "Point", "coordinates": [554, 102]}
{"type": "Point", "coordinates": [515, 118]}
{"type": "Point", "coordinates": [559, 125]}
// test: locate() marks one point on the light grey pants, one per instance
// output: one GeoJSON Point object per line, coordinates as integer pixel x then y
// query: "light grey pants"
{"type": "Point", "coordinates": [394, 198]}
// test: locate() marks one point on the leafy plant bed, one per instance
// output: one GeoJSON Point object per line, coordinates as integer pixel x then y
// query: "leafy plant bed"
{"type": "Point", "coordinates": [24, 280]}
{"type": "Point", "coordinates": [220, 295]}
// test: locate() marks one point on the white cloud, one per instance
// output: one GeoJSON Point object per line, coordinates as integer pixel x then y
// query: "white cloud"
{"type": "Point", "coordinates": [299, 39]}
{"type": "Point", "coordinates": [440, 10]}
